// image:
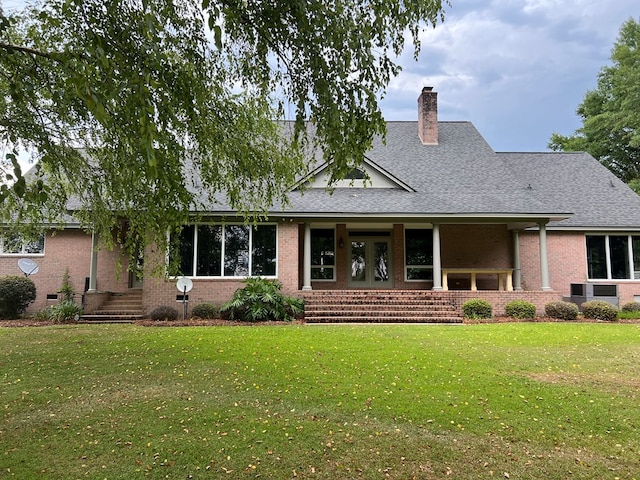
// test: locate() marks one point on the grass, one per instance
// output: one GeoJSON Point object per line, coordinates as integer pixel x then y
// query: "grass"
{"type": "Point", "coordinates": [521, 400]}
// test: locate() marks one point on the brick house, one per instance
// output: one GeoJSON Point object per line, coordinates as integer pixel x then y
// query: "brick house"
{"type": "Point", "coordinates": [433, 209]}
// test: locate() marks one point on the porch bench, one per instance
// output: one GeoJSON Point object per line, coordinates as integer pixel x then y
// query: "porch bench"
{"type": "Point", "coordinates": [505, 276]}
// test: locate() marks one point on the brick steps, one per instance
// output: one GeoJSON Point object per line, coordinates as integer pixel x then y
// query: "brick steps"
{"type": "Point", "coordinates": [379, 306]}
{"type": "Point", "coordinates": [125, 307]}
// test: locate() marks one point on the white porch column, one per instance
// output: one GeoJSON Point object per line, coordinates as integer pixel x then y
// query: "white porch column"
{"type": "Point", "coordinates": [517, 281]}
{"type": "Point", "coordinates": [93, 268]}
{"type": "Point", "coordinates": [306, 258]}
{"type": "Point", "coordinates": [544, 261]}
{"type": "Point", "coordinates": [437, 265]}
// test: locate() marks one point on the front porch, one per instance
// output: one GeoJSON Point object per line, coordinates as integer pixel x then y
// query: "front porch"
{"type": "Point", "coordinates": [420, 256]}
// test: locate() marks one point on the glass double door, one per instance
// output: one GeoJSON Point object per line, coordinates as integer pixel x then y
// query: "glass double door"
{"type": "Point", "coordinates": [370, 262]}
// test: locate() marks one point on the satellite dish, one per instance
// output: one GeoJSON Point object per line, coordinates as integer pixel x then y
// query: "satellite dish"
{"type": "Point", "coordinates": [28, 266]}
{"type": "Point", "coordinates": [184, 284]}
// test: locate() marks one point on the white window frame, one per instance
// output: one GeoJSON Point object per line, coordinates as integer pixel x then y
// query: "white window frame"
{"type": "Point", "coordinates": [635, 274]}
{"type": "Point", "coordinates": [22, 251]}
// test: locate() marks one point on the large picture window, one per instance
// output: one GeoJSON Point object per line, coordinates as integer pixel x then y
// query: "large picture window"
{"type": "Point", "coordinates": [228, 251]}
{"type": "Point", "coordinates": [323, 258]}
{"type": "Point", "coordinates": [613, 257]}
{"type": "Point", "coordinates": [16, 245]}
{"type": "Point", "coordinates": [418, 249]}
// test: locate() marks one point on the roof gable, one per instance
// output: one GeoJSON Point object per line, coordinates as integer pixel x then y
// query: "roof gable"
{"type": "Point", "coordinates": [367, 175]}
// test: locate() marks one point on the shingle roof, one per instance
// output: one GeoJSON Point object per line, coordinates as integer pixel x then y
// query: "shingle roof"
{"type": "Point", "coordinates": [463, 177]}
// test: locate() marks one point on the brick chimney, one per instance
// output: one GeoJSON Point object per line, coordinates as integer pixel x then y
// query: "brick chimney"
{"type": "Point", "coordinates": [428, 116]}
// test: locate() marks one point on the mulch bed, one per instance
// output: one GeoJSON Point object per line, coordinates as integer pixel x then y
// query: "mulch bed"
{"type": "Point", "coordinates": [227, 323]}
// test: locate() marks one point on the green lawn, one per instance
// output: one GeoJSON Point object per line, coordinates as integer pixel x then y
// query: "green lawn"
{"type": "Point", "coordinates": [519, 401]}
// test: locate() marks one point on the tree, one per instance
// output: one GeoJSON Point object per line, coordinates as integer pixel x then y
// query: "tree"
{"type": "Point", "coordinates": [610, 115]}
{"type": "Point", "coordinates": [144, 110]}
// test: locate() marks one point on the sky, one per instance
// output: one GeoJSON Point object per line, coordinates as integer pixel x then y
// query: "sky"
{"type": "Point", "coordinates": [517, 69]}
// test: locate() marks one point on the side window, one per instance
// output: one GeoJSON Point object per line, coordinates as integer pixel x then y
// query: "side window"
{"type": "Point", "coordinates": [323, 258]}
{"type": "Point", "coordinates": [16, 245]}
{"type": "Point", "coordinates": [418, 248]}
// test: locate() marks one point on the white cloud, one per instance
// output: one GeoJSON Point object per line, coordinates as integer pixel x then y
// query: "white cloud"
{"type": "Point", "coordinates": [516, 69]}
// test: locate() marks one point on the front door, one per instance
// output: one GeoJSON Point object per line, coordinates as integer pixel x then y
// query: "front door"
{"type": "Point", "coordinates": [370, 262]}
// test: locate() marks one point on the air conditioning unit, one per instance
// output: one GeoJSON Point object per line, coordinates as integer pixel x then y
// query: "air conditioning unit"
{"type": "Point", "coordinates": [585, 292]}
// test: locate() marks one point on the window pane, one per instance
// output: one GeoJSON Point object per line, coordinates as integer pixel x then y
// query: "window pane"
{"type": "Point", "coordinates": [635, 243]}
{"type": "Point", "coordinates": [619, 251]}
{"type": "Point", "coordinates": [35, 246]}
{"type": "Point", "coordinates": [185, 250]}
{"type": "Point", "coordinates": [236, 251]}
{"type": "Point", "coordinates": [321, 273]}
{"type": "Point", "coordinates": [420, 273]}
{"type": "Point", "coordinates": [381, 252]}
{"type": "Point", "coordinates": [419, 246]}
{"type": "Point", "coordinates": [263, 254]}
{"type": "Point", "coordinates": [358, 262]}
{"type": "Point", "coordinates": [322, 247]}
{"type": "Point", "coordinates": [12, 244]}
{"type": "Point", "coordinates": [209, 251]}
{"type": "Point", "coordinates": [596, 256]}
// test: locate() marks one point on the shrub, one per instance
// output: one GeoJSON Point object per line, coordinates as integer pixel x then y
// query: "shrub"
{"type": "Point", "coordinates": [64, 312]}
{"type": "Point", "coordinates": [66, 290]}
{"type": "Point", "coordinates": [261, 300]}
{"type": "Point", "coordinates": [164, 312]}
{"type": "Point", "coordinates": [16, 293]}
{"type": "Point", "coordinates": [205, 310]}
{"type": "Point", "coordinates": [520, 309]}
{"type": "Point", "coordinates": [561, 310]}
{"type": "Point", "coordinates": [631, 307]}
{"type": "Point", "coordinates": [477, 308]}
{"type": "Point", "coordinates": [599, 310]}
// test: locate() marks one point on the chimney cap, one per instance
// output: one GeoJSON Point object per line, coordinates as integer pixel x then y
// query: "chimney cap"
{"type": "Point", "coordinates": [427, 89]}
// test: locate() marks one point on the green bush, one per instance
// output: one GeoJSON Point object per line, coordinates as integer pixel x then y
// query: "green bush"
{"type": "Point", "coordinates": [477, 308]}
{"type": "Point", "coordinates": [520, 309]}
{"type": "Point", "coordinates": [261, 300]}
{"type": "Point", "coordinates": [16, 293]}
{"type": "Point", "coordinates": [631, 307]}
{"type": "Point", "coordinates": [64, 312]}
{"type": "Point", "coordinates": [599, 310]}
{"type": "Point", "coordinates": [164, 312]}
{"type": "Point", "coordinates": [205, 310]}
{"type": "Point", "coordinates": [561, 310]}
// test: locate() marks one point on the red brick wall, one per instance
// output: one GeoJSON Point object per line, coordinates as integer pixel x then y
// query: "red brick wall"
{"type": "Point", "coordinates": [67, 249]}
{"type": "Point", "coordinates": [567, 260]}
{"type": "Point", "coordinates": [161, 291]}
{"type": "Point", "coordinates": [498, 299]}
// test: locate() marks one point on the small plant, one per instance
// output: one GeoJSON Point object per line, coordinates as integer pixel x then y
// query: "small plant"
{"type": "Point", "coordinates": [520, 309]}
{"type": "Point", "coordinates": [16, 293]}
{"type": "Point", "coordinates": [261, 300]}
{"type": "Point", "coordinates": [561, 310]}
{"type": "Point", "coordinates": [64, 312]}
{"type": "Point", "coordinates": [599, 310]}
{"type": "Point", "coordinates": [631, 307]}
{"type": "Point", "coordinates": [205, 310]}
{"type": "Point", "coordinates": [66, 290]}
{"type": "Point", "coordinates": [476, 308]}
{"type": "Point", "coordinates": [164, 312]}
